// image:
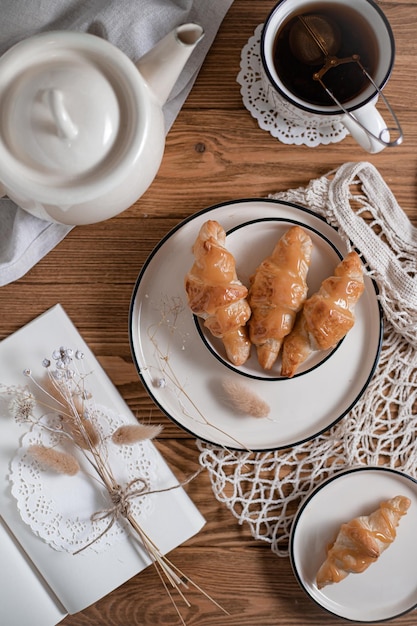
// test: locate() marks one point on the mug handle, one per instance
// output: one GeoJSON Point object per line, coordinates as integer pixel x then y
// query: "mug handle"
{"type": "Point", "coordinates": [366, 125]}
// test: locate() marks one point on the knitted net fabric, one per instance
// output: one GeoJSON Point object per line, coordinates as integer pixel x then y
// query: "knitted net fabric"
{"type": "Point", "coordinates": [265, 489]}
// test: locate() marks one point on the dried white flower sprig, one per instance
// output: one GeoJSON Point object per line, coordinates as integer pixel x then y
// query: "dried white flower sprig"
{"type": "Point", "coordinates": [63, 393]}
{"type": "Point", "coordinates": [170, 311]}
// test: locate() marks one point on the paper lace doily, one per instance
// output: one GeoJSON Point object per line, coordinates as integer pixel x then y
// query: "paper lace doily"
{"type": "Point", "coordinates": [272, 114]}
{"type": "Point", "coordinates": [58, 508]}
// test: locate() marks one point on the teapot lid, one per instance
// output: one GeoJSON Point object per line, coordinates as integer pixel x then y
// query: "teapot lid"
{"type": "Point", "coordinates": [69, 113]}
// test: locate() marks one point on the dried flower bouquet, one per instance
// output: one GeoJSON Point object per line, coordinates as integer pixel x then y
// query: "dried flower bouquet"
{"type": "Point", "coordinates": [61, 404]}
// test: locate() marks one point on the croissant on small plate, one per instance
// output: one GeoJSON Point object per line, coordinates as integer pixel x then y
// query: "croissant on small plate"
{"type": "Point", "coordinates": [216, 294]}
{"type": "Point", "coordinates": [277, 291]}
{"type": "Point", "coordinates": [326, 316]}
{"type": "Point", "coordinates": [361, 541]}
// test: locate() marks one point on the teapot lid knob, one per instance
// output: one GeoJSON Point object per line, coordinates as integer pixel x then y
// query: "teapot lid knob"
{"type": "Point", "coordinates": [61, 116]}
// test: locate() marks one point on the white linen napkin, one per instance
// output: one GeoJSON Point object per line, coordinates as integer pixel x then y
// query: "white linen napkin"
{"type": "Point", "coordinates": [132, 25]}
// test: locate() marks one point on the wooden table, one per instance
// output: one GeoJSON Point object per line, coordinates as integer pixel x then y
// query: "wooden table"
{"type": "Point", "coordinates": [215, 152]}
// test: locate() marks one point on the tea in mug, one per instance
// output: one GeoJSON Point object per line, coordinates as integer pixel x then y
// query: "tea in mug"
{"type": "Point", "coordinates": [307, 39]}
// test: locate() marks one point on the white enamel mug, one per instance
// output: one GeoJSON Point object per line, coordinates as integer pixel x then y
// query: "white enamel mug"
{"type": "Point", "coordinates": [359, 114]}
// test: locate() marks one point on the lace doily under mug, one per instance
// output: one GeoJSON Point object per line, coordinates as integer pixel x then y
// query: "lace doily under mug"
{"type": "Point", "coordinates": [271, 113]}
{"type": "Point", "coordinates": [59, 508]}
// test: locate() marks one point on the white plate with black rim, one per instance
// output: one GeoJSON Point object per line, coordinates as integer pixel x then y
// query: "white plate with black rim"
{"type": "Point", "coordinates": [388, 587]}
{"type": "Point", "coordinates": [183, 368]}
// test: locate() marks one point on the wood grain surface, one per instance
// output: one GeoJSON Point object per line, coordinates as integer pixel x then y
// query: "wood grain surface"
{"type": "Point", "coordinates": [215, 152]}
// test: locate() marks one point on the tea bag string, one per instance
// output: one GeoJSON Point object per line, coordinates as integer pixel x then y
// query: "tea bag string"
{"type": "Point", "coordinates": [332, 61]}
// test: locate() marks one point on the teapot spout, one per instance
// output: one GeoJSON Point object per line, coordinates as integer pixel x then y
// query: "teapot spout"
{"type": "Point", "coordinates": [162, 65]}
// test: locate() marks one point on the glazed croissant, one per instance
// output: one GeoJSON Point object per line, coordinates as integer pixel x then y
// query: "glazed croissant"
{"type": "Point", "coordinates": [327, 315]}
{"type": "Point", "coordinates": [216, 294]}
{"type": "Point", "coordinates": [361, 541]}
{"type": "Point", "coordinates": [277, 291]}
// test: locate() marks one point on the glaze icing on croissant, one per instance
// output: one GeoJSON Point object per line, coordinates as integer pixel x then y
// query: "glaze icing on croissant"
{"type": "Point", "coordinates": [361, 541]}
{"type": "Point", "coordinates": [326, 316]}
{"type": "Point", "coordinates": [216, 294]}
{"type": "Point", "coordinates": [277, 291]}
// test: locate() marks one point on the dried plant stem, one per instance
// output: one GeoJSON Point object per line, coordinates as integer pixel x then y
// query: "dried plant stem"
{"type": "Point", "coordinates": [101, 467]}
{"type": "Point", "coordinates": [168, 371]}
{"type": "Point", "coordinates": [174, 575]}
{"type": "Point", "coordinates": [168, 591]}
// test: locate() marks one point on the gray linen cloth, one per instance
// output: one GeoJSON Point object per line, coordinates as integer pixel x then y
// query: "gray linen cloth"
{"type": "Point", "coordinates": [132, 25]}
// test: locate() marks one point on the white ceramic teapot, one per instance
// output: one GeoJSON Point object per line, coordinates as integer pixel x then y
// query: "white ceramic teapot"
{"type": "Point", "coordinates": [82, 132]}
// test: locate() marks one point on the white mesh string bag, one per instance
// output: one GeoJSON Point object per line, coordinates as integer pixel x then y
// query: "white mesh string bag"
{"type": "Point", "coordinates": [265, 489]}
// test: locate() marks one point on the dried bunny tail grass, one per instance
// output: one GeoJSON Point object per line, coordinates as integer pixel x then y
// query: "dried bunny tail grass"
{"type": "Point", "coordinates": [132, 433]}
{"type": "Point", "coordinates": [81, 430]}
{"type": "Point", "coordinates": [59, 462]}
{"type": "Point", "coordinates": [244, 399]}
{"type": "Point", "coordinates": [48, 386]}
{"type": "Point", "coordinates": [84, 434]}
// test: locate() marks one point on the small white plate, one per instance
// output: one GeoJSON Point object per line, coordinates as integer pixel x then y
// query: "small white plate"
{"type": "Point", "coordinates": [388, 588]}
{"type": "Point", "coordinates": [183, 369]}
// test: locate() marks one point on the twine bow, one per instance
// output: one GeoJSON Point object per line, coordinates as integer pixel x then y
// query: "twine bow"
{"type": "Point", "coordinates": [121, 498]}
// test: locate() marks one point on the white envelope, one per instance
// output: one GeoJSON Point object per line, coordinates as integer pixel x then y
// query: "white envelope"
{"type": "Point", "coordinates": [55, 583]}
